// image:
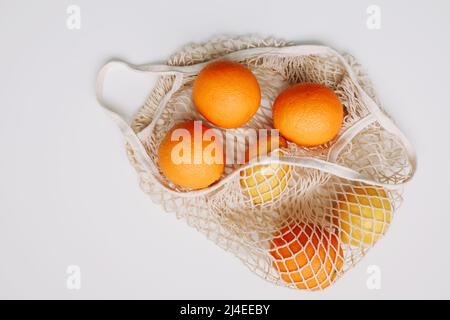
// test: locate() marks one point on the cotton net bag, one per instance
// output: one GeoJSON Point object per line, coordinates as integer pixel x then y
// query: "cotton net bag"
{"type": "Point", "coordinates": [322, 208]}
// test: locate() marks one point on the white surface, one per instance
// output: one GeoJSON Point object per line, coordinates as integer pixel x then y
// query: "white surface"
{"type": "Point", "coordinates": [68, 195]}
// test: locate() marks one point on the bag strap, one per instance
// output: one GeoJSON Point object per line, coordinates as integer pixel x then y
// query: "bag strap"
{"type": "Point", "coordinates": [128, 133]}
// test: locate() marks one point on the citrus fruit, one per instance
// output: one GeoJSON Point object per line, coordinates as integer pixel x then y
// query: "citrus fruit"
{"type": "Point", "coordinates": [307, 255]}
{"type": "Point", "coordinates": [188, 158]}
{"type": "Point", "coordinates": [362, 214]}
{"type": "Point", "coordinates": [263, 183]}
{"type": "Point", "coordinates": [226, 93]}
{"type": "Point", "coordinates": [308, 114]}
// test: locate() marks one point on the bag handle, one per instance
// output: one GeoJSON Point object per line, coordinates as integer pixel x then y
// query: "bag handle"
{"type": "Point", "coordinates": [128, 133]}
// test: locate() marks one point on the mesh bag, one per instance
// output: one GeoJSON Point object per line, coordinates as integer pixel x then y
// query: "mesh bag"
{"type": "Point", "coordinates": [318, 210]}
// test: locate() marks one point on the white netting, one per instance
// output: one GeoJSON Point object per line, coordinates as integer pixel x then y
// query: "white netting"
{"type": "Point", "coordinates": [297, 226]}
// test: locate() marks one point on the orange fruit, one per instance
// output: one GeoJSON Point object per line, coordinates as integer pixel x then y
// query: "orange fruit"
{"type": "Point", "coordinates": [188, 158]}
{"type": "Point", "coordinates": [226, 93]}
{"type": "Point", "coordinates": [308, 114]}
{"type": "Point", "coordinates": [263, 183]}
{"type": "Point", "coordinates": [307, 256]}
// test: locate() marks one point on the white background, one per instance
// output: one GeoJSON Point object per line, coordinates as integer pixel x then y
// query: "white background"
{"type": "Point", "coordinates": [68, 195]}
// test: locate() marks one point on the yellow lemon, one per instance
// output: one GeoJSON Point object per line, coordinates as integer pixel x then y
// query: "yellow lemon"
{"type": "Point", "coordinates": [263, 183]}
{"type": "Point", "coordinates": [363, 214]}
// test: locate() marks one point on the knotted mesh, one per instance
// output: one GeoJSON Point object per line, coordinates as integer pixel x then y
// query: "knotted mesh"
{"type": "Point", "coordinates": [294, 226]}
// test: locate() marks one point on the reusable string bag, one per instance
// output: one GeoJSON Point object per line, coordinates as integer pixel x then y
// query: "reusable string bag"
{"type": "Point", "coordinates": [323, 208]}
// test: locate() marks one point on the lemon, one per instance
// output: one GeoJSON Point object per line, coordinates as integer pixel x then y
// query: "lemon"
{"type": "Point", "coordinates": [264, 183]}
{"type": "Point", "coordinates": [363, 215]}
